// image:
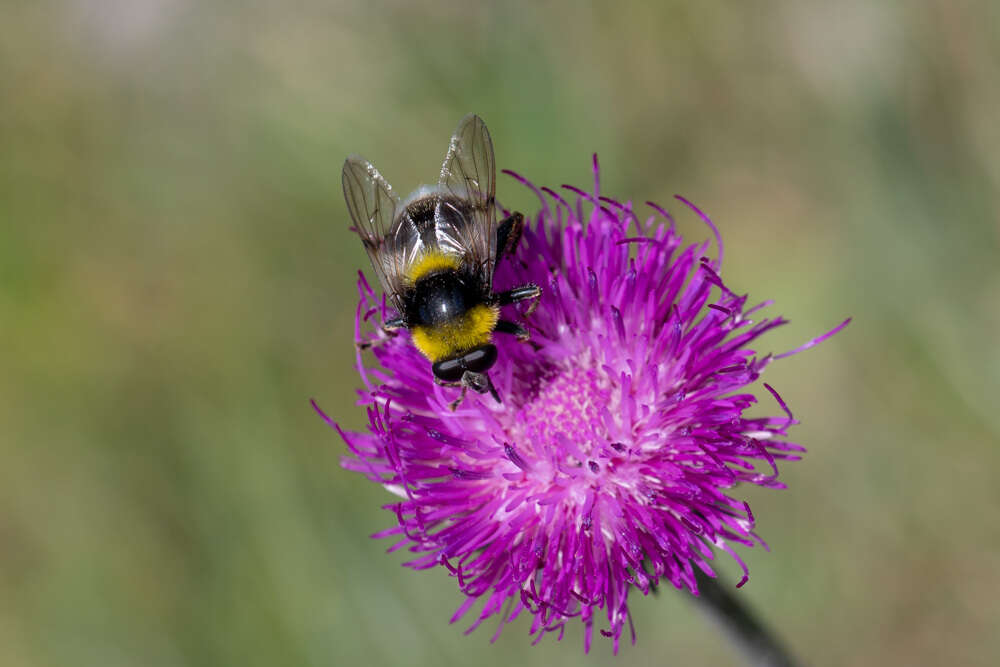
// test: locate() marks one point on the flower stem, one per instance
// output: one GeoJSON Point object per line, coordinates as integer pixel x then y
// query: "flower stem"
{"type": "Point", "coordinates": [758, 645]}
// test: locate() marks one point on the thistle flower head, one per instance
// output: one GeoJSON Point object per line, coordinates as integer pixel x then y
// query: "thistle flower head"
{"type": "Point", "coordinates": [611, 463]}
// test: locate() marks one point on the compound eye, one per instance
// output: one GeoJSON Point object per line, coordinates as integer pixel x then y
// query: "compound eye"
{"type": "Point", "coordinates": [449, 370]}
{"type": "Point", "coordinates": [481, 359]}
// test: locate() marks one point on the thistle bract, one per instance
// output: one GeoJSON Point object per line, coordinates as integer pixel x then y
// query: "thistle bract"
{"type": "Point", "coordinates": [611, 463]}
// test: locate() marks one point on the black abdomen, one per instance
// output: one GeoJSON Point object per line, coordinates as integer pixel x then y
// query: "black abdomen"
{"type": "Point", "coordinates": [439, 297]}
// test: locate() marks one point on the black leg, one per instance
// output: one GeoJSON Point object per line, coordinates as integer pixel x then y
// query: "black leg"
{"type": "Point", "coordinates": [480, 382]}
{"type": "Point", "coordinates": [370, 344]}
{"type": "Point", "coordinates": [509, 234]}
{"type": "Point", "coordinates": [390, 327]}
{"type": "Point", "coordinates": [458, 401]}
{"type": "Point", "coordinates": [490, 388]}
{"type": "Point", "coordinates": [529, 291]}
{"type": "Point", "coordinates": [513, 328]}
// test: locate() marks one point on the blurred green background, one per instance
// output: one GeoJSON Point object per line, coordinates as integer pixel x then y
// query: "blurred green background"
{"type": "Point", "coordinates": [177, 280]}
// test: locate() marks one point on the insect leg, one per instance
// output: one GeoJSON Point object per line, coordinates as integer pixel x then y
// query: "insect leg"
{"type": "Point", "coordinates": [481, 382]}
{"type": "Point", "coordinates": [371, 344]}
{"type": "Point", "coordinates": [389, 327]}
{"type": "Point", "coordinates": [493, 390]}
{"type": "Point", "coordinates": [529, 291]}
{"type": "Point", "coordinates": [489, 386]}
{"type": "Point", "coordinates": [513, 328]}
{"type": "Point", "coordinates": [458, 401]}
{"type": "Point", "coordinates": [509, 234]}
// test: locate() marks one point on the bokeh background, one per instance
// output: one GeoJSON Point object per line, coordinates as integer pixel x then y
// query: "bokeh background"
{"type": "Point", "coordinates": [177, 280]}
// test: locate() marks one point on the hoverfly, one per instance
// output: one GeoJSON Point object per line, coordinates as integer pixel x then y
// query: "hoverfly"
{"type": "Point", "coordinates": [435, 253]}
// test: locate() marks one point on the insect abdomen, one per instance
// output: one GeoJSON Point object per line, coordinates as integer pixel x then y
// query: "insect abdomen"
{"type": "Point", "coordinates": [446, 310]}
{"type": "Point", "coordinates": [448, 340]}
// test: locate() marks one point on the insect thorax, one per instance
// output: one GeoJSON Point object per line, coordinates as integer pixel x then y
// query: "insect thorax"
{"type": "Point", "coordinates": [429, 208]}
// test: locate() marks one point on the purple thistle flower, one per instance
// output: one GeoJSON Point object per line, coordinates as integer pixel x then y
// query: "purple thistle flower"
{"type": "Point", "coordinates": [622, 427]}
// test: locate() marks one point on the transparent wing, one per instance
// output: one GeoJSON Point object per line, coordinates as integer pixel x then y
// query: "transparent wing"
{"type": "Point", "coordinates": [466, 215]}
{"type": "Point", "coordinates": [373, 206]}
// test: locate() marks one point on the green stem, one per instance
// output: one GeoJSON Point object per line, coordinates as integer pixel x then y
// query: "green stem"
{"type": "Point", "coordinates": [755, 642]}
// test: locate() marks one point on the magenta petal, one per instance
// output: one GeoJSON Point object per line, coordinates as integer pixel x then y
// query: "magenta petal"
{"type": "Point", "coordinates": [611, 462]}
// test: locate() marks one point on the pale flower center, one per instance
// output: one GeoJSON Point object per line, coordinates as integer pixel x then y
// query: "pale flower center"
{"type": "Point", "coordinates": [563, 418]}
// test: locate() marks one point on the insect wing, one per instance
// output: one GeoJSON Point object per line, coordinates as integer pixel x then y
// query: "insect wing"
{"type": "Point", "coordinates": [466, 215]}
{"type": "Point", "coordinates": [373, 205]}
